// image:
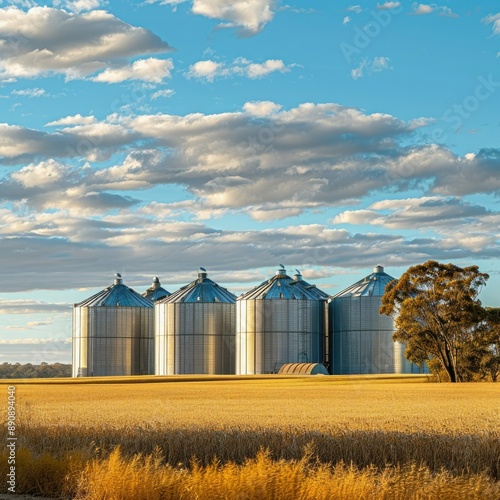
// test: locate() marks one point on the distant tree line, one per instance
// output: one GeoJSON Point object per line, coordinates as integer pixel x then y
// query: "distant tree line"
{"type": "Point", "coordinates": [442, 322]}
{"type": "Point", "coordinates": [44, 370]}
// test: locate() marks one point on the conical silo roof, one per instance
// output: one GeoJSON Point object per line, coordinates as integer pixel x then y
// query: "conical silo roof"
{"type": "Point", "coordinates": [298, 280]}
{"type": "Point", "coordinates": [155, 291]}
{"type": "Point", "coordinates": [202, 289]}
{"type": "Point", "coordinates": [372, 285]}
{"type": "Point", "coordinates": [116, 295]}
{"type": "Point", "coordinates": [280, 286]}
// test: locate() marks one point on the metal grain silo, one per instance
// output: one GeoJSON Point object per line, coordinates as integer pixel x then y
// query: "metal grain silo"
{"type": "Point", "coordinates": [155, 291]}
{"type": "Point", "coordinates": [195, 329]}
{"type": "Point", "coordinates": [113, 333]}
{"type": "Point", "coordinates": [280, 321]}
{"type": "Point", "coordinates": [362, 337]}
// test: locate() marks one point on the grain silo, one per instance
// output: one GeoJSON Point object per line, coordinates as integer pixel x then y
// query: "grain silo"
{"type": "Point", "coordinates": [155, 291]}
{"type": "Point", "coordinates": [195, 329]}
{"type": "Point", "coordinates": [278, 322]}
{"type": "Point", "coordinates": [113, 333]}
{"type": "Point", "coordinates": [362, 337]}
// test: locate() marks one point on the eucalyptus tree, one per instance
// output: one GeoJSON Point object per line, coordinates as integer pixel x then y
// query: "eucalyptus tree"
{"type": "Point", "coordinates": [438, 314]}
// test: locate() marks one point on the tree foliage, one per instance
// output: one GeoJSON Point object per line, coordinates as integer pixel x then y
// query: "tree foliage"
{"type": "Point", "coordinates": [439, 317]}
{"type": "Point", "coordinates": [44, 370]}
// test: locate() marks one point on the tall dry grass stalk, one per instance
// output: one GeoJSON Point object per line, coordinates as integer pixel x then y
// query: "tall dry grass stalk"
{"type": "Point", "coordinates": [146, 478]}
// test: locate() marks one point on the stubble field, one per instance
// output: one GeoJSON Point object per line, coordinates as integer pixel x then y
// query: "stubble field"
{"type": "Point", "coordinates": [256, 438]}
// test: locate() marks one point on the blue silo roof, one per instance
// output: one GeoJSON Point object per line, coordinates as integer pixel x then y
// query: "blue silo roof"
{"type": "Point", "coordinates": [372, 285]}
{"type": "Point", "coordinates": [280, 286]}
{"type": "Point", "coordinates": [202, 289]}
{"type": "Point", "coordinates": [299, 281]}
{"type": "Point", "coordinates": [116, 295]}
{"type": "Point", "coordinates": [155, 291]}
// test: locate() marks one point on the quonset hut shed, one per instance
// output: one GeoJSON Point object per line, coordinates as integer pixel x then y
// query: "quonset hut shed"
{"type": "Point", "coordinates": [113, 333]}
{"type": "Point", "coordinates": [195, 329]}
{"type": "Point", "coordinates": [361, 336]}
{"type": "Point", "coordinates": [278, 322]}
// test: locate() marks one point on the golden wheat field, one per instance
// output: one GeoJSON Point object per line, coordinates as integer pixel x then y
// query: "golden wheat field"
{"type": "Point", "coordinates": [256, 438]}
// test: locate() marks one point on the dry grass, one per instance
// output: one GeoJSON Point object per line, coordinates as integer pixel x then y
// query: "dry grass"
{"type": "Point", "coordinates": [393, 434]}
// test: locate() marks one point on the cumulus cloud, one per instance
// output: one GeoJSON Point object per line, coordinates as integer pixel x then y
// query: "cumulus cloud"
{"type": "Point", "coordinates": [45, 41]}
{"type": "Point", "coordinates": [269, 66]}
{"type": "Point", "coordinates": [78, 5]}
{"type": "Point", "coordinates": [388, 5]}
{"type": "Point", "coordinates": [249, 16]}
{"type": "Point", "coordinates": [73, 120]}
{"type": "Point", "coordinates": [93, 141]}
{"type": "Point", "coordinates": [415, 213]}
{"type": "Point", "coordinates": [261, 108]}
{"type": "Point", "coordinates": [423, 9]}
{"type": "Point", "coordinates": [263, 161]}
{"type": "Point", "coordinates": [209, 70]}
{"type": "Point", "coordinates": [319, 154]}
{"type": "Point", "coordinates": [148, 70]}
{"type": "Point", "coordinates": [154, 242]}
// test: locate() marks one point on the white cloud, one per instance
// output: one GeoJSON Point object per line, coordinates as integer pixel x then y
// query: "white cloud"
{"type": "Point", "coordinates": [78, 5]}
{"type": "Point", "coordinates": [209, 70]}
{"type": "Point", "coordinates": [22, 306]}
{"type": "Point", "coordinates": [34, 92]}
{"type": "Point", "coordinates": [42, 175]}
{"type": "Point", "coordinates": [162, 93]}
{"type": "Point", "coordinates": [376, 65]}
{"type": "Point", "coordinates": [47, 41]}
{"type": "Point", "coordinates": [444, 215]}
{"type": "Point", "coordinates": [261, 108]}
{"type": "Point", "coordinates": [73, 120]}
{"type": "Point", "coordinates": [249, 16]}
{"type": "Point", "coordinates": [380, 63]}
{"type": "Point", "coordinates": [388, 5]}
{"type": "Point", "coordinates": [346, 20]}
{"type": "Point", "coordinates": [148, 70]}
{"type": "Point", "coordinates": [424, 9]}
{"type": "Point", "coordinates": [269, 66]}
{"type": "Point", "coordinates": [355, 8]}
{"type": "Point", "coordinates": [495, 19]}
{"type": "Point", "coordinates": [420, 9]}
{"type": "Point", "coordinates": [33, 341]}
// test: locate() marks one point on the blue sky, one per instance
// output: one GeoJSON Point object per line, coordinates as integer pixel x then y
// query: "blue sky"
{"type": "Point", "coordinates": [154, 137]}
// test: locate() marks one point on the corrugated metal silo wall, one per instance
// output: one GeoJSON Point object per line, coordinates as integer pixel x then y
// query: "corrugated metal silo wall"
{"type": "Point", "coordinates": [113, 341]}
{"type": "Point", "coordinates": [195, 338]}
{"type": "Point", "coordinates": [362, 339]}
{"type": "Point", "coordinates": [270, 333]}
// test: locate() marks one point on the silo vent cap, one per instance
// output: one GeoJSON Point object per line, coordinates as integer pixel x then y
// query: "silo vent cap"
{"type": "Point", "coordinates": [298, 276]}
{"type": "Point", "coordinates": [202, 273]}
{"type": "Point", "coordinates": [378, 269]}
{"type": "Point", "coordinates": [118, 279]}
{"type": "Point", "coordinates": [281, 271]}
